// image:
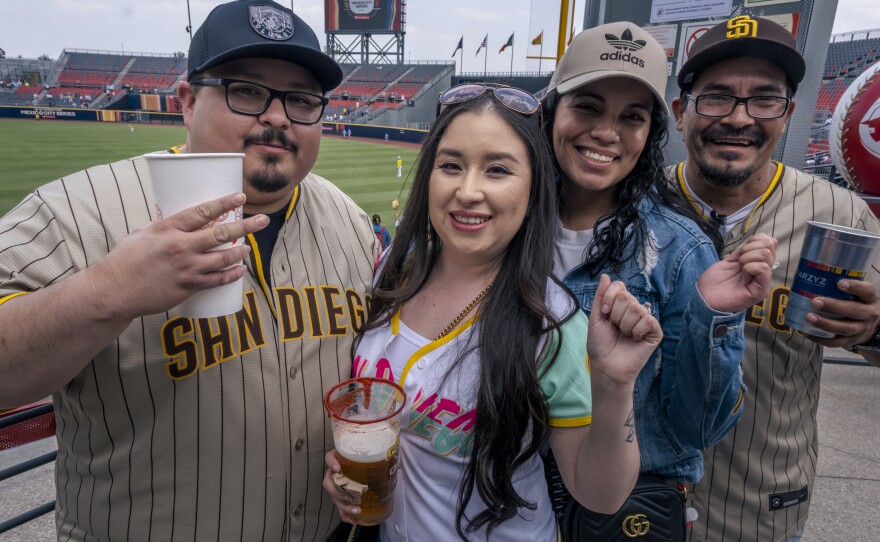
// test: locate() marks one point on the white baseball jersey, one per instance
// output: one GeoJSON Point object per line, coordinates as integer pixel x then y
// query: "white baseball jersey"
{"type": "Point", "coordinates": [198, 429]}
{"type": "Point", "coordinates": [758, 480]}
{"type": "Point", "coordinates": [438, 419]}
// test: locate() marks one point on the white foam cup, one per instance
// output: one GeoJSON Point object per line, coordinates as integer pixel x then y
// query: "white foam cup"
{"type": "Point", "coordinates": [181, 181]}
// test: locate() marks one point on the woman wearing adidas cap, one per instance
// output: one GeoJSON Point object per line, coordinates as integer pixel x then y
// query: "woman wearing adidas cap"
{"type": "Point", "coordinates": [606, 120]}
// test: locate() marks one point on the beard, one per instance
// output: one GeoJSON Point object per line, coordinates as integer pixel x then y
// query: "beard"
{"type": "Point", "coordinates": [727, 175]}
{"type": "Point", "coordinates": [267, 178]}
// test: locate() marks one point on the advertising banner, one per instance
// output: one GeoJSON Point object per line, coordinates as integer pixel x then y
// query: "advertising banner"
{"type": "Point", "coordinates": [375, 16]}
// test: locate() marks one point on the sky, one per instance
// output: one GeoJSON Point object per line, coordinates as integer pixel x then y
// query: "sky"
{"type": "Point", "coordinates": [433, 27]}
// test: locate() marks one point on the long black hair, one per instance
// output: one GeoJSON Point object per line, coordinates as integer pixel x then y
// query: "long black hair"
{"type": "Point", "coordinates": [626, 233]}
{"type": "Point", "coordinates": [511, 414]}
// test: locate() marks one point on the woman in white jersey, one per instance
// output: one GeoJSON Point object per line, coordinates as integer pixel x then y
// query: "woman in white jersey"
{"type": "Point", "coordinates": [490, 351]}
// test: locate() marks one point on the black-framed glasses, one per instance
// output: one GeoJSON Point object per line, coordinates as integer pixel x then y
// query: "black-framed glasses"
{"type": "Point", "coordinates": [250, 98]}
{"type": "Point", "coordinates": [722, 105]}
{"type": "Point", "coordinates": [511, 97]}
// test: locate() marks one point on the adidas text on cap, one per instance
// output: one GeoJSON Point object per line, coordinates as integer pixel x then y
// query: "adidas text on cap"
{"type": "Point", "coordinates": [744, 36]}
{"type": "Point", "coordinates": [620, 49]}
{"type": "Point", "coordinates": [260, 28]}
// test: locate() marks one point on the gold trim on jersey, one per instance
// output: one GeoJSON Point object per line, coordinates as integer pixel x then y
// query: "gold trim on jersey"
{"type": "Point", "coordinates": [690, 197]}
{"type": "Point", "coordinates": [293, 201]}
{"type": "Point", "coordinates": [176, 149]}
{"type": "Point", "coordinates": [10, 296]}
{"type": "Point", "coordinates": [258, 268]}
{"type": "Point", "coordinates": [739, 402]}
{"type": "Point", "coordinates": [258, 260]}
{"type": "Point", "coordinates": [433, 345]}
{"type": "Point", "coordinates": [571, 422]}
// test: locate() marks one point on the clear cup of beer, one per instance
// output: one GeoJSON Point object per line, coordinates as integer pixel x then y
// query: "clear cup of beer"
{"type": "Point", "coordinates": [365, 418]}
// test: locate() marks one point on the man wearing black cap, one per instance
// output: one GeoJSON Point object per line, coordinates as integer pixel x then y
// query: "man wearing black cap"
{"type": "Point", "coordinates": [736, 98]}
{"type": "Point", "coordinates": [171, 428]}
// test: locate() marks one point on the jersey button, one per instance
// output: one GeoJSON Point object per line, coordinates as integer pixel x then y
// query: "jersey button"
{"type": "Point", "coordinates": [299, 444]}
{"type": "Point", "coordinates": [293, 372]}
{"type": "Point", "coordinates": [721, 330]}
{"type": "Point", "coordinates": [421, 364]}
{"type": "Point", "coordinates": [298, 510]}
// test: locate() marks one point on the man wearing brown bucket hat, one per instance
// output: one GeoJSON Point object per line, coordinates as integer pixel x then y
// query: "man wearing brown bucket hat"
{"type": "Point", "coordinates": [176, 428]}
{"type": "Point", "coordinates": [736, 98]}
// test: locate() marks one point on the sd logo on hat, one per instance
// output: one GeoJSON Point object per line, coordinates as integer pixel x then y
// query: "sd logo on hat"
{"type": "Point", "coordinates": [744, 36]}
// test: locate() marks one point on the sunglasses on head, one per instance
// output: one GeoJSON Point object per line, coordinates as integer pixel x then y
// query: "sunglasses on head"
{"type": "Point", "coordinates": [510, 97]}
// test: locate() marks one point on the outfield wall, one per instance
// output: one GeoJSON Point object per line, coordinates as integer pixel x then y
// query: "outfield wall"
{"type": "Point", "coordinates": [93, 115]}
{"type": "Point", "coordinates": [395, 134]}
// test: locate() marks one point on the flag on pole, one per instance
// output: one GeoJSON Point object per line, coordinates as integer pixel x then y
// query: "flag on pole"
{"type": "Point", "coordinates": [539, 39]}
{"type": "Point", "coordinates": [482, 45]}
{"type": "Point", "coordinates": [508, 44]}
{"type": "Point", "coordinates": [459, 46]}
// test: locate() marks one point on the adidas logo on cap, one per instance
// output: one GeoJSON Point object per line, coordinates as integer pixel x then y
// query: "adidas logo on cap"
{"type": "Point", "coordinates": [619, 49]}
{"type": "Point", "coordinates": [624, 43]}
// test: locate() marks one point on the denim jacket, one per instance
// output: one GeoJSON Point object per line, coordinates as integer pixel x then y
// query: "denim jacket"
{"type": "Point", "coordinates": [689, 394]}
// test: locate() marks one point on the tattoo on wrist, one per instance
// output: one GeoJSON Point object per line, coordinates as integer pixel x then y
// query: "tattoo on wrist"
{"type": "Point", "coordinates": [630, 423]}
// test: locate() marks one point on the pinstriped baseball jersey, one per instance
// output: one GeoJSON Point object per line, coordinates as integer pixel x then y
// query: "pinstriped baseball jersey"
{"type": "Point", "coordinates": [759, 478]}
{"type": "Point", "coordinates": [208, 429]}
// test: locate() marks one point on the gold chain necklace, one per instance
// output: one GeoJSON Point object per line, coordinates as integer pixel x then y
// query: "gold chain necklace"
{"type": "Point", "coordinates": [464, 312]}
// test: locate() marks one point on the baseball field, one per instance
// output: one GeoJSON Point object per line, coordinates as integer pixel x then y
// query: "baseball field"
{"type": "Point", "coordinates": [35, 152]}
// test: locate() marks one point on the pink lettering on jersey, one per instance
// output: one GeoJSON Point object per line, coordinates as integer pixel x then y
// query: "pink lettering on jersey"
{"type": "Point", "coordinates": [422, 406]}
{"type": "Point", "coordinates": [440, 421]}
{"type": "Point", "coordinates": [466, 421]}
{"type": "Point", "coordinates": [383, 370]}
{"type": "Point", "coordinates": [445, 405]}
{"type": "Point", "coordinates": [360, 366]}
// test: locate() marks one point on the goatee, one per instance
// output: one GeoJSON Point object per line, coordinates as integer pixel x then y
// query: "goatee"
{"type": "Point", "coordinates": [727, 175]}
{"type": "Point", "coordinates": [267, 178]}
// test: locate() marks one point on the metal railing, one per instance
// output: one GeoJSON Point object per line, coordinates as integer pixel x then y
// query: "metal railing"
{"type": "Point", "coordinates": [7, 423]}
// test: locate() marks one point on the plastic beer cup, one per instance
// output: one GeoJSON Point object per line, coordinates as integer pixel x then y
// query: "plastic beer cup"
{"type": "Point", "coordinates": [365, 418]}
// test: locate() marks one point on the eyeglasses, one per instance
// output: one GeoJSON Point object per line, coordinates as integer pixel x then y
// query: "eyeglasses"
{"type": "Point", "coordinates": [722, 105]}
{"type": "Point", "coordinates": [513, 98]}
{"type": "Point", "coordinates": [252, 99]}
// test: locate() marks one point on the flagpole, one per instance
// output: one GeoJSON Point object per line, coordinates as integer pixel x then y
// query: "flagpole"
{"type": "Point", "coordinates": [511, 60]}
{"type": "Point", "coordinates": [485, 56]}
{"type": "Point", "coordinates": [541, 54]}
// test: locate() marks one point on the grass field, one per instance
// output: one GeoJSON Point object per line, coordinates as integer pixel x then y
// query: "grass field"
{"type": "Point", "coordinates": [33, 153]}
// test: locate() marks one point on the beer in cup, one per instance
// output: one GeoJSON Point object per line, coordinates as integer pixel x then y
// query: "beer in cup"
{"type": "Point", "coordinates": [830, 253]}
{"type": "Point", "coordinates": [365, 418]}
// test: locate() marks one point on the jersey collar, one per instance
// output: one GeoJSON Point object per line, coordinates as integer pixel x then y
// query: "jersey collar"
{"type": "Point", "coordinates": [682, 185]}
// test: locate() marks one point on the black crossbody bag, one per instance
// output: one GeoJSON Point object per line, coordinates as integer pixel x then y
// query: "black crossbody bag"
{"type": "Point", "coordinates": [654, 512]}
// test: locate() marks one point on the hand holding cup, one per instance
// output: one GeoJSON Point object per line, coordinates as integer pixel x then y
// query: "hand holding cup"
{"type": "Point", "coordinates": [160, 265]}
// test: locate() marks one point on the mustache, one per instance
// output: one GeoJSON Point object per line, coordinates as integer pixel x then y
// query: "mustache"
{"type": "Point", "coordinates": [269, 136]}
{"type": "Point", "coordinates": [751, 133]}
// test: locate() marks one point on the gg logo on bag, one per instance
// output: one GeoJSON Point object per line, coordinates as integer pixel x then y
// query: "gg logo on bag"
{"type": "Point", "coordinates": [635, 525]}
{"type": "Point", "coordinates": [741, 27]}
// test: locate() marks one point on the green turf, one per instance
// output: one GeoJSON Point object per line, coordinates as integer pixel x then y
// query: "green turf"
{"type": "Point", "coordinates": [33, 153]}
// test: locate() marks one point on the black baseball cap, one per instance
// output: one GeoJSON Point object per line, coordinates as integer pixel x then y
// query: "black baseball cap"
{"type": "Point", "coordinates": [260, 28]}
{"type": "Point", "coordinates": [744, 36]}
